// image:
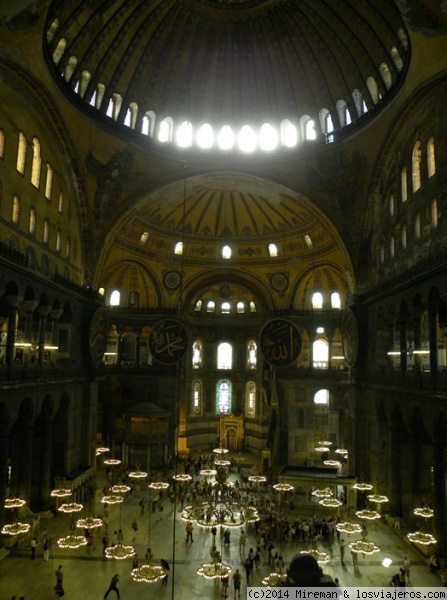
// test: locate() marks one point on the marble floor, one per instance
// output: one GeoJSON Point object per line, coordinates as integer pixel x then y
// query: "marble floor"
{"type": "Point", "coordinates": [88, 576]}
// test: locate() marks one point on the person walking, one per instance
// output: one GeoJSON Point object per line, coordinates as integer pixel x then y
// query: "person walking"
{"type": "Point", "coordinates": [113, 586]}
{"type": "Point", "coordinates": [224, 581]}
{"type": "Point", "coordinates": [33, 548]}
{"type": "Point", "coordinates": [242, 542]}
{"type": "Point", "coordinates": [342, 551]}
{"type": "Point", "coordinates": [355, 560]}
{"type": "Point", "coordinates": [59, 575]}
{"type": "Point", "coordinates": [237, 578]}
{"type": "Point", "coordinates": [165, 565]}
{"type": "Point", "coordinates": [247, 567]}
{"type": "Point", "coordinates": [406, 566]}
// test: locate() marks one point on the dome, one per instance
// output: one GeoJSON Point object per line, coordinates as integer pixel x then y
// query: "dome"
{"type": "Point", "coordinates": [152, 66]}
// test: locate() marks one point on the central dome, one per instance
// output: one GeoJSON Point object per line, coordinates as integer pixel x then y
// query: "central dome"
{"type": "Point", "coordinates": [236, 62]}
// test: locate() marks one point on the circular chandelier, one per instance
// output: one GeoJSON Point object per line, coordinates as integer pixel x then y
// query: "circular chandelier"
{"type": "Point", "coordinates": [14, 503]}
{"type": "Point", "coordinates": [15, 529]}
{"type": "Point", "coordinates": [222, 462]}
{"type": "Point", "coordinates": [208, 472]}
{"type": "Point", "coordinates": [426, 513]}
{"type": "Point", "coordinates": [220, 450]}
{"type": "Point", "coordinates": [257, 479]}
{"type": "Point", "coordinates": [215, 570]}
{"type": "Point", "coordinates": [330, 502]}
{"type": "Point", "coordinates": [72, 542]}
{"type": "Point", "coordinates": [377, 498]}
{"type": "Point", "coordinates": [418, 537]}
{"type": "Point", "coordinates": [138, 474]}
{"type": "Point", "coordinates": [228, 514]}
{"type": "Point", "coordinates": [112, 462]}
{"type": "Point", "coordinates": [120, 488]}
{"type": "Point", "coordinates": [322, 493]}
{"type": "Point", "coordinates": [320, 557]}
{"type": "Point", "coordinates": [322, 449]}
{"type": "Point", "coordinates": [364, 547]}
{"type": "Point", "coordinates": [341, 451]}
{"type": "Point", "coordinates": [370, 515]}
{"type": "Point", "coordinates": [182, 477]}
{"type": "Point", "coordinates": [71, 507]}
{"type": "Point", "coordinates": [119, 551]}
{"type": "Point", "coordinates": [348, 527]}
{"type": "Point", "coordinates": [61, 493]}
{"type": "Point", "coordinates": [148, 574]}
{"type": "Point", "coordinates": [283, 487]}
{"type": "Point", "coordinates": [158, 485]}
{"type": "Point", "coordinates": [102, 450]}
{"type": "Point", "coordinates": [363, 487]}
{"type": "Point", "coordinates": [274, 579]}
{"type": "Point", "coordinates": [332, 463]}
{"type": "Point", "coordinates": [112, 499]}
{"type": "Point", "coordinates": [89, 523]}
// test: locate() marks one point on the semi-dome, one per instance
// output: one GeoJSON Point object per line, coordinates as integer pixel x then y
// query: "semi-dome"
{"type": "Point", "coordinates": [153, 66]}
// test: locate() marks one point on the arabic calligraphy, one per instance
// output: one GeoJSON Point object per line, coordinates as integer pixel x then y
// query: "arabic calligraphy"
{"type": "Point", "coordinates": [168, 341]}
{"type": "Point", "coordinates": [280, 342]}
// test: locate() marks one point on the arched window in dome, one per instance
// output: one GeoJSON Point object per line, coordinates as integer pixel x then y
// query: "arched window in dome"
{"type": "Point", "coordinates": [68, 248]}
{"type": "Point", "coordinates": [288, 134]}
{"type": "Point", "coordinates": [348, 117]}
{"type": "Point", "coordinates": [416, 166]}
{"type": "Point", "coordinates": [371, 84]}
{"type": "Point", "coordinates": [59, 50]}
{"type": "Point", "coordinates": [224, 356]}
{"type": "Point", "coordinates": [84, 81]}
{"type": "Point", "coordinates": [358, 102]}
{"type": "Point", "coordinates": [223, 396]}
{"type": "Point", "coordinates": [198, 306]}
{"type": "Point", "coordinates": [98, 96]}
{"type": "Point", "coordinates": [250, 399]}
{"type": "Point", "coordinates": [431, 163]}
{"type": "Point", "coordinates": [197, 355]}
{"type": "Point", "coordinates": [317, 300]}
{"type": "Point", "coordinates": [148, 124]}
{"type": "Point", "coordinates": [46, 231]}
{"type": "Point", "coordinates": [320, 354]}
{"type": "Point", "coordinates": [93, 99]}
{"type": "Point", "coordinates": [15, 217]}
{"type": "Point", "coordinates": [70, 67]}
{"type": "Point", "coordinates": [335, 300]}
{"type": "Point", "coordinates": [434, 212]}
{"type": "Point", "coordinates": [36, 164]}
{"type": "Point", "coordinates": [58, 240]}
{"type": "Point", "coordinates": [165, 130]}
{"type": "Point", "coordinates": [226, 252]}
{"type": "Point", "coordinates": [307, 128]}
{"type": "Point", "coordinates": [21, 153]}
{"type": "Point", "coordinates": [32, 221]}
{"type": "Point", "coordinates": [322, 397]}
{"type": "Point", "coordinates": [252, 306]}
{"type": "Point", "coordinates": [385, 74]}
{"type": "Point", "coordinates": [403, 184]}
{"type": "Point", "coordinates": [49, 182]}
{"type": "Point", "coordinates": [392, 246]}
{"type": "Point", "coordinates": [2, 143]}
{"type": "Point", "coordinates": [197, 397]}
{"type": "Point", "coordinates": [134, 299]}
{"type": "Point", "coordinates": [403, 236]}
{"type": "Point", "coordinates": [183, 135]}
{"type": "Point", "coordinates": [60, 206]}
{"type": "Point", "coordinates": [114, 107]}
{"type": "Point", "coordinates": [52, 30]}
{"type": "Point", "coordinates": [225, 138]}
{"type": "Point", "coordinates": [308, 241]}
{"type": "Point", "coordinates": [115, 298]}
{"type": "Point", "coordinates": [391, 204]}
{"type": "Point", "coordinates": [246, 139]}
{"type": "Point", "coordinates": [240, 308]}
{"type": "Point", "coordinates": [178, 248]}
{"type": "Point", "coordinates": [268, 137]}
{"type": "Point", "coordinates": [273, 250]}
{"type": "Point", "coordinates": [130, 119]}
{"type": "Point", "coordinates": [403, 38]}
{"type": "Point", "coordinates": [210, 306]}
{"type": "Point", "coordinates": [395, 56]}
{"type": "Point", "coordinates": [225, 308]}
{"type": "Point", "coordinates": [341, 107]}
{"type": "Point", "coordinates": [205, 136]}
{"type": "Point", "coordinates": [252, 354]}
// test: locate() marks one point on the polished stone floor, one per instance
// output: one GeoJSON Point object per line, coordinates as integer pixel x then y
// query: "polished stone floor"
{"type": "Point", "coordinates": [88, 576]}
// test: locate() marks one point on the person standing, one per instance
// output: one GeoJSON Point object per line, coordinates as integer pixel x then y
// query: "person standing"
{"type": "Point", "coordinates": [59, 575]}
{"type": "Point", "coordinates": [113, 586]}
{"type": "Point", "coordinates": [355, 558]}
{"type": "Point", "coordinates": [165, 565]}
{"type": "Point", "coordinates": [247, 567]}
{"type": "Point", "coordinates": [402, 577]}
{"type": "Point", "coordinates": [33, 548]}
{"type": "Point", "coordinates": [242, 542]}
{"type": "Point", "coordinates": [224, 581]}
{"type": "Point", "coordinates": [237, 578]}
{"type": "Point", "coordinates": [46, 551]}
{"type": "Point", "coordinates": [406, 566]}
{"type": "Point", "coordinates": [342, 551]}
{"type": "Point", "coordinates": [189, 530]}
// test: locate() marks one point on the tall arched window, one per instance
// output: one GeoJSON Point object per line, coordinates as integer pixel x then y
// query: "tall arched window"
{"type": "Point", "coordinates": [320, 354]}
{"type": "Point", "coordinates": [392, 246]}
{"type": "Point", "coordinates": [250, 399]}
{"type": "Point", "coordinates": [335, 300]}
{"type": "Point", "coordinates": [60, 207]}
{"type": "Point", "coordinates": [431, 163]}
{"type": "Point", "coordinates": [416, 166]}
{"type": "Point", "coordinates": [321, 397]}
{"type": "Point", "coordinates": [403, 234]}
{"type": "Point", "coordinates": [148, 125]}
{"type": "Point", "coordinates": [371, 84]}
{"type": "Point", "coordinates": [288, 134]}
{"type": "Point", "coordinates": [49, 182]}
{"type": "Point", "coordinates": [197, 355]}
{"type": "Point", "coordinates": [317, 301]}
{"type": "Point", "coordinates": [15, 217]}
{"type": "Point", "coordinates": [68, 248]}
{"type": "Point", "coordinates": [115, 298]}
{"type": "Point", "coordinates": [165, 130]}
{"type": "Point", "coordinates": [46, 231]}
{"type": "Point", "coordinates": [197, 397]}
{"type": "Point", "coordinates": [403, 184]}
{"type": "Point", "coordinates": [2, 143]}
{"type": "Point", "coordinates": [386, 75]}
{"type": "Point", "coordinates": [58, 240]}
{"type": "Point", "coordinates": [252, 355]}
{"type": "Point", "coordinates": [223, 396]}
{"type": "Point", "coordinates": [392, 204]}
{"type": "Point", "coordinates": [21, 153]}
{"type": "Point", "coordinates": [32, 220]}
{"type": "Point", "coordinates": [434, 212]}
{"type": "Point", "coordinates": [36, 164]}
{"type": "Point", "coordinates": [417, 227]}
{"type": "Point", "coordinates": [85, 78]}
{"type": "Point", "coordinates": [224, 356]}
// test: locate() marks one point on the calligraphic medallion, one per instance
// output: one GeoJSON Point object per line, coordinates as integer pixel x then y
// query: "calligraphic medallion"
{"type": "Point", "coordinates": [98, 332]}
{"type": "Point", "coordinates": [280, 342]}
{"type": "Point", "coordinates": [168, 341]}
{"type": "Point", "coordinates": [350, 337]}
